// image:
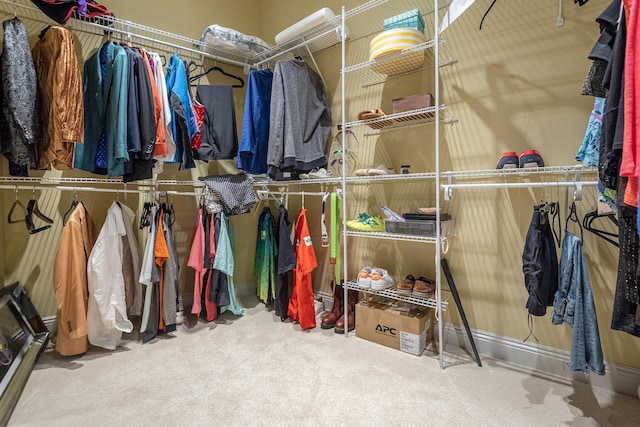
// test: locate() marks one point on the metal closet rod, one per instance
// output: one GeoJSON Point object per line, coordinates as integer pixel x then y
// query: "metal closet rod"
{"type": "Point", "coordinates": [129, 33]}
{"type": "Point", "coordinates": [97, 190]}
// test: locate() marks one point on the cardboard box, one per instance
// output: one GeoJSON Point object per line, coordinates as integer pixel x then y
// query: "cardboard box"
{"type": "Point", "coordinates": [407, 331]}
{"type": "Point", "coordinates": [409, 19]}
{"type": "Point", "coordinates": [413, 102]}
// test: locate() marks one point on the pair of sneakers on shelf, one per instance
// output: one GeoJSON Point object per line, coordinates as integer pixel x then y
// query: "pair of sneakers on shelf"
{"type": "Point", "coordinates": [417, 288]}
{"type": "Point", "coordinates": [527, 159]}
{"type": "Point", "coordinates": [366, 222]}
{"type": "Point", "coordinates": [317, 173]}
{"type": "Point", "coordinates": [375, 278]}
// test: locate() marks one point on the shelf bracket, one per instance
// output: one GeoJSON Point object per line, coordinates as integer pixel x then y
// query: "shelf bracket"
{"type": "Point", "coordinates": [448, 191]}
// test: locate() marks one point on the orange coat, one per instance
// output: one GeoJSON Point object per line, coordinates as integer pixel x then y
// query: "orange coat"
{"type": "Point", "coordinates": [70, 282]}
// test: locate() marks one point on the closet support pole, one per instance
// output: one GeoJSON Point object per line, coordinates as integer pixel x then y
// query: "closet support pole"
{"type": "Point", "coordinates": [456, 297]}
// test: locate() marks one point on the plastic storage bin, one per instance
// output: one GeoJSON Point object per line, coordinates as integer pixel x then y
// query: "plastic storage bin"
{"type": "Point", "coordinates": [419, 228]}
{"type": "Point", "coordinates": [409, 19]}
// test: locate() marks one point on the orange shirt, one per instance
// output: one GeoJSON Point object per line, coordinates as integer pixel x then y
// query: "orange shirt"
{"type": "Point", "coordinates": [301, 305]}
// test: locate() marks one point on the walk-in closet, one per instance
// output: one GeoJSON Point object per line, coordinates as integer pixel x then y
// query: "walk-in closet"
{"type": "Point", "coordinates": [373, 212]}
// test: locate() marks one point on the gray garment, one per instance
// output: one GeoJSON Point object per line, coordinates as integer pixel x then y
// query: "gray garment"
{"type": "Point", "coordinates": [170, 278]}
{"type": "Point", "coordinates": [19, 85]}
{"type": "Point", "coordinates": [219, 135]}
{"type": "Point", "coordinates": [235, 192]}
{"type": "Point", "coordinates": [300, 118]}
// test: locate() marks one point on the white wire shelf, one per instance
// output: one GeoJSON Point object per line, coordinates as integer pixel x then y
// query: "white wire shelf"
{"type": "Point", "coordinates": [397, 120]}
{"type": "Point", "coordinates": [520, 172]}
{"type": "Point", "coordinates": [393, 294]}
{"type": "Point", "coordinates": [407, 61]}
{"type": "Point", "coordinates": [394, 236]}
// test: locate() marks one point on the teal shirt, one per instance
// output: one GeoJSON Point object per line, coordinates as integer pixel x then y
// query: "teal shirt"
{"type": "Point", "coordinates": [223, 261]}
{"type": "Point", "coordinates": [105, 107]}
{"type": "Point", "coordinates": [264, 267]}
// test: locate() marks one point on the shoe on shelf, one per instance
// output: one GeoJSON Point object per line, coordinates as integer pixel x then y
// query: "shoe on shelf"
{"type": "Point", "coordinates": [508, 160]}
{"type": "Point", "coordinates": [381, 279]}
{"type": "Point", "coordinates": [405, 286]}
{"type": "Point", "coordinates": [305, 175]}
{"type": "Point", "coordinates": [423, 288]}
{"type": "Point", "coordinates": [531, 159]}
{"type": "Point", "coordinates": [361, 172]}
{"type": "Point", "coordinates": [364, 278]}
{"type": "Point", "coordinates": [320, 174]}
{"type": "Point", "coordinates": [366, 222]}
{"type": "Point", "coordinates": [381, 170]}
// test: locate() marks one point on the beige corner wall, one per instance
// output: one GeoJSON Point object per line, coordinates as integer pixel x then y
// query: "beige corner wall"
{"type": "Point", "coordinates": [515, 86]}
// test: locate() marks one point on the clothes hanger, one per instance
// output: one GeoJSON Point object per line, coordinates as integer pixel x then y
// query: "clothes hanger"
{"type": "Point", "coordinates": [220, 70]}
{"type": "Point", "coordinates": [573, 216]}
{"type": "Point", "coordinates": [587, 223]}
{"type": "Point", "coordinates": [16, 204]}
{"type": "Point", "coordinates": [67, 214]}
{"type": "Point", "coordinates": [32, 209]}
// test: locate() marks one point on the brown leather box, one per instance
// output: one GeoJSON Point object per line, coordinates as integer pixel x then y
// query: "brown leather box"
{"type": "Point", "coordinates": [413, 102]}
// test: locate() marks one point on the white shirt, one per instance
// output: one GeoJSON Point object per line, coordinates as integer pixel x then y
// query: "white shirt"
{"type": "Point", "coordinates": [107, 311]}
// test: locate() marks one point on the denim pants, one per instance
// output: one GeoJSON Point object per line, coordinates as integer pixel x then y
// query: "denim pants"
{"type": "Point", "coordinates": [574, 305]}
{"type": "Point", "coordinates": [540, 263]}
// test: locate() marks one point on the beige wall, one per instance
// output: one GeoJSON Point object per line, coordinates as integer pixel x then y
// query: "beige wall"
{"type": "Point", "coordinates": [516, 86]}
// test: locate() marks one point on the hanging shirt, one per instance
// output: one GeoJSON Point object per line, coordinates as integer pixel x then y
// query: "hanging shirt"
{"type": "Point", "coordinates": [183, 121]}
{"type": "Point", "coordinates": [300, 118]}
{"type": "Point", "coordinates": [211, 278]}
{"type": "Point", "coordinates": [264, 267]}
{"type": "Point", "coordinates": [18, 92]}
{"type": "Point", "coordinates": [146, 269]}
{"type": "Point", "coordinates": [141, 120]}
{"type": "Point", "coordinates": [131, 262]}
{"type": "Point", "coordinates": [286, 263]}
{"type": "Point", "coordinates": [254, 141]}
{"type": "Point", "coordinates": [70, 282]}
{"type": "Point", "coordinates": [60, 98]}
{"type": "Point", "coordinates": [301, 305]}
{"type": "Point", "coordinates": [165, 150]}
{"type": "Point", "coordinates": [106, 110]}
{"type": "Point", "coordinates": [106, 312]}
{"type": "Point", "coordinates": [224, 262]}
{"type": "Point", "coordinates": [196, 261]}
{"type": "Point", "coordinates": [170, 276]}
{"type": "Point", "coordinates": [161, 253]}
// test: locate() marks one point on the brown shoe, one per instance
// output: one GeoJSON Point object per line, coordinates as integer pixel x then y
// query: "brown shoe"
{"type": "Point", "coordinates": [350, 310]}
{"type": "Point", "coordinates": [405, 286]}
{"type": "Point", "coordinates": [329, 321]}
{"type": "Point", "coordinates": [423, 288]}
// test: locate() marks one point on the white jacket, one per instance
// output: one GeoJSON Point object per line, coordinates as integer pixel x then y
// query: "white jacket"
{"type": "Point", "coordinates": [107, 311]}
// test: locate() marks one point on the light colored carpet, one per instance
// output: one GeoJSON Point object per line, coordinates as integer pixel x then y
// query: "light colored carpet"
{"type": "Point", "coordinates": [254, 370]}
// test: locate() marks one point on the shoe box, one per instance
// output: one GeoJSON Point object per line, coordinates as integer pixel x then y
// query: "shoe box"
{"type": "Point", "coordinates": [406, 328]}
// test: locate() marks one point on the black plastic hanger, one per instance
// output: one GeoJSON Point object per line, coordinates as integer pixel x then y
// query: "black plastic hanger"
{"type": "Point", "coordinates": [32, 208]}
{"type": "Point", "coordinates": [17, 204]}
{"type": "Point", "coordinates": [587, 223]}
{"type": "Point", "coordinates": [67, 214]}
{"type": "Point", "coordinates": [573, 216]}
{"type": "Point", "coordinates": [145, 216]}
{"type": "Point", "coordinates": [216, 68]}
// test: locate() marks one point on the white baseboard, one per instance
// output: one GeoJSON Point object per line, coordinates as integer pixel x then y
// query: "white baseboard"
{"type": "Point", "coordinates": [545, 360]}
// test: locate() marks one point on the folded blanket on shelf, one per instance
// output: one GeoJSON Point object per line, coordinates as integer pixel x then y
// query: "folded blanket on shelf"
{"type": "Point", "coordinates": [218, 37]}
